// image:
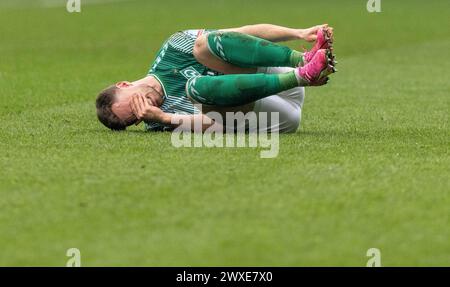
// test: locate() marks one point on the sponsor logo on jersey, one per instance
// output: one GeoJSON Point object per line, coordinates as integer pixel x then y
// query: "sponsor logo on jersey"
{"type": "Point", "coordinates": [189, 72]}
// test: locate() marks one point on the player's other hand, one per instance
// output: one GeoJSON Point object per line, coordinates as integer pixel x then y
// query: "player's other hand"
{"type": "Point", "coordinates": [144, 110]}
{"type": "Point", "coordinates": [310, 34]}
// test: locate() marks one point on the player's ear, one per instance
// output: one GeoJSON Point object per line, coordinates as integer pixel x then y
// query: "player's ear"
{"type": "Point", "coordinates": [123, 84]}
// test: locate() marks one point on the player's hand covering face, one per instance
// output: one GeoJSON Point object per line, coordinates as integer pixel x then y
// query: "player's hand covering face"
{"type": "Point", "coordinates": [144, 109]}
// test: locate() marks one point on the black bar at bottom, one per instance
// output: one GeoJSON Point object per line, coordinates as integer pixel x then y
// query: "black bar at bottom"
{"type": "Point", "coordinates": [222, 276]}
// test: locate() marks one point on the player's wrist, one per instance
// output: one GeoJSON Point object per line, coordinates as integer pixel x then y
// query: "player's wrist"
{"type": "Point", "coordinates": [166, 118]}
{"type": "Point", "coordinates": [300, 34]}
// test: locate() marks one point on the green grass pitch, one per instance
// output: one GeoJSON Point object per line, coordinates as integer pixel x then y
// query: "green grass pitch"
{"type": "Point", "coordinates": [368, 168]}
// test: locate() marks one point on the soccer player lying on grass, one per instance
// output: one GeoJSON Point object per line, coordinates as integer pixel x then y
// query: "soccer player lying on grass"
{"type": "Point", "coordinates": [230, 70]}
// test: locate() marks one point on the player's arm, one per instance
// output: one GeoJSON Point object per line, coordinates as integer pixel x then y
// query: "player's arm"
{"type": "Point", "coordinates": [275, 33]}
{"type": "Point", "coordinates": [194, 123]}
{"type": "Point", "coordinates": [144, 111]}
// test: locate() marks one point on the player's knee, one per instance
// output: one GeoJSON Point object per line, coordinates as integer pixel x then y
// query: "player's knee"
{"type": "Point", "coordinates": [200, 47]}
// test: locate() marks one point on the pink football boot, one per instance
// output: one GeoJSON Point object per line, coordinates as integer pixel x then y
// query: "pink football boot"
{"type": "Point", "coordinates": [324, 41]}
{"type": "Point", "coordinates": [316, 72]}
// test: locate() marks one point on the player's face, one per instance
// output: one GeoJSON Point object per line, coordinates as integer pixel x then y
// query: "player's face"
{"type": "Point", "coordinates": [122, 107]}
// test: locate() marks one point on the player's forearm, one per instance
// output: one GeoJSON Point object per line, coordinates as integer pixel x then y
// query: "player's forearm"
{"type": "Point", "coordinates": [270, 32]}
{"type": "Point", "coordinates": [194, 123]}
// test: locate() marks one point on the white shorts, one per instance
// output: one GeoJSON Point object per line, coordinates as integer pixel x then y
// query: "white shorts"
{"type": "Point", "coordinates": [288, 104]}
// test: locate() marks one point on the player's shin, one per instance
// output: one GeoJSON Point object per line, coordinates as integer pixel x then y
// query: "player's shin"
{"type": "Point", "coordinates": [237, 90]}
{"type": "Point", "coordinates": [248, 51]}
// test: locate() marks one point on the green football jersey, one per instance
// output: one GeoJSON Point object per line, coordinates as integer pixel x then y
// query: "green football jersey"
{"type": "Point", "coordinates": [173, 67]}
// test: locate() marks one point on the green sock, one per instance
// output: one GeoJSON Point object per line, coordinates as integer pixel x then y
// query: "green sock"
{"type": "Point", "coordinates": [237, 90]}
{"type": "Point", "coordinates": [247, 51]}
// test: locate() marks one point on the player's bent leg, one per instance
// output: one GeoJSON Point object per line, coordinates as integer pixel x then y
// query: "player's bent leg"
{"type": "Point", "coordinates": [238, 90]}
{"type": "Point", "coordinates": [248, 51]}
{"type": "Point", "coordinates": [288, 104]}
